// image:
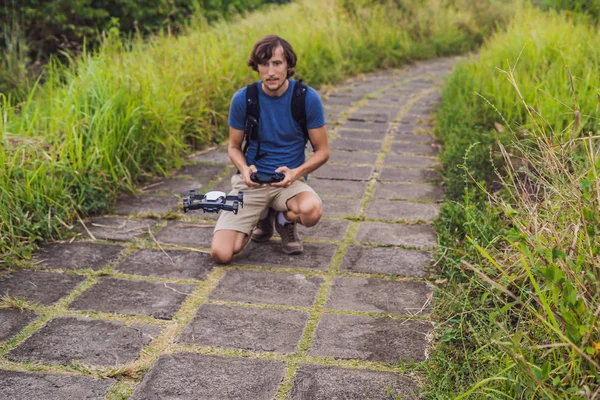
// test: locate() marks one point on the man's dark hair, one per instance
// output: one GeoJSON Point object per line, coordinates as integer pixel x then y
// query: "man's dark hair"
{"type": "Point", "coordinates": [263, 51]}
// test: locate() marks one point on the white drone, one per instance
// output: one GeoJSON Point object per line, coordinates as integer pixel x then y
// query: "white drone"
{"type": "Point", "coordinates": [213, 202]}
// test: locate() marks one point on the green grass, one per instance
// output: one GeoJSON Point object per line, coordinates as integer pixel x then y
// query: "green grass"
{"type": "Point", "coordinates": [518, 316]}
{"type": "Point", "coordinates": [134, 109]}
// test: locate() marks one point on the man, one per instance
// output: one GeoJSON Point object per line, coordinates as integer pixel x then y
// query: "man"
{"type": "Point", "coordinates": [279, 149]}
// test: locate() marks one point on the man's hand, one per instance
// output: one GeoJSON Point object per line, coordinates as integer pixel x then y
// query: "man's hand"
{"type": "Point", "coordinates": [246, 172]}
{"type": "Point", "coordinates": [290, 177]}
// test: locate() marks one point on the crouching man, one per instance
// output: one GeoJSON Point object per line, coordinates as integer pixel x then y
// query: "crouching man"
{"type": "Point", "coordinates": [275, 117]}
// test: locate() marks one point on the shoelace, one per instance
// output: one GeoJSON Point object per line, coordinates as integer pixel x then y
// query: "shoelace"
{"type": "Point", "coordinates": [290, 231]}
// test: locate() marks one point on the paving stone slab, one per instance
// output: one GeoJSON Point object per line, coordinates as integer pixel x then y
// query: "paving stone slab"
{"type": "Point", "coordinates": [147, 204]}
{"type": "Point", "coordinates": [77, 255]}
{"type": "Point", "coordinates": [377, 295]}
{"type": "Point", "coordinates": [408, 175]}
{"type": "Point", "coordinates": [352, 157]}
{"type": "Point", "coordinates": [261, 287]}
{"type": "Point", "coordinates": [320, 382]}
{"type": "Point", "coordinates": [411, 119]}
{"type": "Point", "coordinates": [409, 191]}
{"type": "Point", "coordinates": [329, 229]}
{"type": "Point", "coordinates": [361, 135]}
{"type": "Point", "coordinates": [32, 386]}
{"type": "Point", "coordinates": [178, 186]}
{"type": "Point", "coordinates": [368, 126]}
{"type": "Point", "coordinates": [338, 187]}
{"type": "Point", "coordinates": [422, 109]}
{"type": "Point", "coordinates": [131, 297]}
{"type": "Point", "coordinates": [370, 339]}
{"type": "Point", "coordinates": [398, 101]}
{"type": "Point", "coordinates": [13, 321]}
{"type": "Point", "coordinates": [39, 287]}
{"type": "Point", "coordinates": [400, 160]}
{"type": "Point", "coordinates": [397, 234]}
{"type": "Point", "coordinates": [343, 172]}
{"type": "Point", "coordinates": [179, 264]}
{"type": "Point", "coordinates": [403, 129]}
{"type": "Point", "coordinates": [315, 256]}
{"type": "Point", "coordinates": [340, 101]}
{"type": "Point", "coordinates": [432, 98]}
{"type": "Point", "coordinates": [117, 228]}
{"type": "Point", "coordinates": [338, 206]}
{"type": "Point", "coordinates": [378, 117]}
{"type": "Point", "coordinates": [354, 145]}
{"type": "Point", "coordinates": [202, 172]}
{"type": "Point", "coordinates": [217, 157]}
{"type": "Point", "coordinates": [388, 111]}
{"type": "Point", "coordinates": [392, 210]}
{"type": "Point", "coordinates": [93, 342]}
{"type": "Point", "coordinates": [186, 234]}
{"type": "Point", "coordinates": [377, 102]}
{"type": "Point", "coordinates": [414, 148]}
{"type": "Point", "coordinates": [381, 101]}
{"type": "Point", "coordinates": [246, 328]}
{"type": "Point", "coordinates": [186, 376]}
{"type": "Point", "coordinates": [224, 185]}
{"type": "Point", "coordinates": [418, 85]}
{"type": "Point", "coordinates": [350, 93]}
{"type": "Point", "coordinates": [419, 118]}
{"type": "Point", "coordinates": [387, 260]}
{"type": "Point", "coordinates": [333, 116]}
{"type": "Point", "coordinates": [404, 137]}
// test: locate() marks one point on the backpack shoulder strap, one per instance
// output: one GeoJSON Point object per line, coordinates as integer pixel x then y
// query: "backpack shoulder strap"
{"type": "Point", "coordinates": [252, 119]}
{"type": "Point", "coordinates": [252, 110]}
{"type": "Point", "coordinates": [299, 108]}
{"type": "Point", "coordinates": [252, 115]}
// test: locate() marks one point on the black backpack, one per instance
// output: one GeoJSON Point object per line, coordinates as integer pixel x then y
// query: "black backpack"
{"type": "Point", "coordinates": [298, 109]}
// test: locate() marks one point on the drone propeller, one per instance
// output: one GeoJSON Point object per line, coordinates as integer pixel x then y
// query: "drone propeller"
{"type": "Point", "coordinates": [236, 197]}
{"type": "Point", "coordinates": [233, 208]}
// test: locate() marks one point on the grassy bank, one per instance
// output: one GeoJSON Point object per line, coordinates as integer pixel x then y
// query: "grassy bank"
{"type": "Point", "coordinates": [134, 109]}
{"type": "Point", "coordinates": [518, 315]}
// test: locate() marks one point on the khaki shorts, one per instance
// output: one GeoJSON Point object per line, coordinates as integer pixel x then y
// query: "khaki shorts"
{"type": "Point", "coordinates": [255, 201]}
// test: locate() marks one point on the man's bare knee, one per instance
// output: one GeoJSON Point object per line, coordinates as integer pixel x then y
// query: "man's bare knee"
{"type": "Point", "coordinates": [221, 256]}
{"type": "Point", "coordinates": [312, 217]}
{"type": "Point", "coordinates": [310, 213]}
{"type": "Point", "coordinates": [240, 244]}
{"type": "Point", "coordinates": [226, 244]}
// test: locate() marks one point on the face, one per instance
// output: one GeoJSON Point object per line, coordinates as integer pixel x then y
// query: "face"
{"type": "Point", "coordinates": [273, 73]}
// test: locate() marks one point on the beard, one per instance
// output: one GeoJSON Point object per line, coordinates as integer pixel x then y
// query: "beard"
{"type": "Point", "coordinates": [267, 88]}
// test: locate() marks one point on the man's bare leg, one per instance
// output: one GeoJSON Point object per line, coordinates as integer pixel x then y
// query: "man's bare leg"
{"type": "Point", "coordinates": [305, 208]}
{"type": "Point", "coordinates": [226, 244]}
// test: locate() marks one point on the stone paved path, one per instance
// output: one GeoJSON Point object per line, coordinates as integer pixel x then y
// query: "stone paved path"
{"type": "Point", "coordinates": [133, 307]}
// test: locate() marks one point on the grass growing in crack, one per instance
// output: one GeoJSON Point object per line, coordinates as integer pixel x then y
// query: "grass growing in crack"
{"type": "Point", "coordinates": [16, 303]}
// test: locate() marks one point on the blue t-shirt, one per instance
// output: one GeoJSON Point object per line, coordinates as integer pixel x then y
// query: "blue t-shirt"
{"type": "Point", "coordinates": [280, 136]}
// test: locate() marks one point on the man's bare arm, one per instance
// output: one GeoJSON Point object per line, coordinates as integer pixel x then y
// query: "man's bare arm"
{"type": "Point", "coordinates": [318, 137]}
{"type": "Point", "coordinates": [236, 138]}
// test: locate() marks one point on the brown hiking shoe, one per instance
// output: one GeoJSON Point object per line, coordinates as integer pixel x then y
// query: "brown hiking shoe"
{"type": "Point", "coordinates": [290, 241]}
{"type": "Point", "coordinates": [264, 227]}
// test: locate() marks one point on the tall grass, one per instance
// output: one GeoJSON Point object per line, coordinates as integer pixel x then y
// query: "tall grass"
{"type": "Point", "coordinates": [133, 109]}
{"type": "Point", "coordinates": [521, 306]}
{"type": "Point", "coordinates": [589, 8]}
{"type": "Point", "coordinates": [544, 58]}
{"type": "Point", "coordinates": [16, 76]}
